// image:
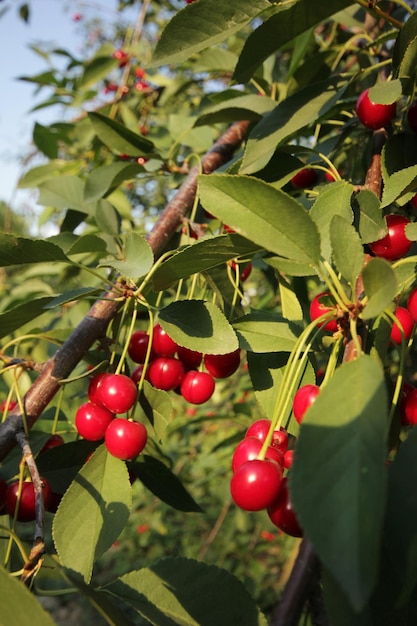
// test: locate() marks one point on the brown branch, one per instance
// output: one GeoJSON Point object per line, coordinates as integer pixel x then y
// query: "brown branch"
{"type": "Point", "coordinates": [93, 327]}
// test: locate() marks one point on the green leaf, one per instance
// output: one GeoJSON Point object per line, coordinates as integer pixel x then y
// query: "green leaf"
{"type": "Point", "coordinates": [157, 406]}
{"type": "Point", "coordinates": [290, 305]}
{"type": "Point", "coordinates": [21, 250]}
{"type": "Point", "coordinates": [79, 244]}
{"type": "Point", "coordinates": [369, 218]}
{"type": "Point", "coordinates": [72, 296]}
{"type": "Point", "coordinates": [165, 485]}
{"type": "Point", "coordinates": [64, 192]}
{"type": "Point", "coordinates": [107, 218]}
{"type": "Point", "coordinates": [262, 331]}
{"type": "Point", "coordinates": [202, 25]}
{"type": "Point", "coordinates": [404, 55]}
{"type": "Point", "coordinates": [173, 592]}
{"type": "Point", "coordinates": [292, 268]}
{"type": "Point", "coordinates": [305, 107]}
{"type": "Point", "coordinates": [117, 137]}
{"type": "Point", "coordinates": [287, 22]}
{"type": "Point", "coordinates": [399, 168]}
{"type": "Point", "coordinates": [137, 257]}
{"type": "Point", "coordinates": [248, 107]}
{"type": "Point", "coordinates": [60, 465]}
{"type": "Point", "coordinates": [46, 140]}
{"type": "Point", "coordinates": [267, 216]}
{"type": "Point", "coordinates": [21, 314]}
{"type": "Point", "coordinates": [386, 92]}
{"type": "Point", "coordinates": [42, 173]}
{"type": "Point", "coordinates": [96, 70]}
{"type": "Point", "coordinates": [106, 178]}
{"type": "Point", "coordinates": [333, 200]}
{"type": "Point", "coordinates": [342, 444]}
{"type": "Point", "coordinates": [92, 513]}
{"type": "Point", "coordinates": [198, 325]}
{"type": "Point", "coordinates": [380, 284]}
{"type": "Point", "coordinates": [19, 605]}
{"type": "Point", "coordinates": [347, 249]}
{"type": "Point", "coordinates": [201, 256]}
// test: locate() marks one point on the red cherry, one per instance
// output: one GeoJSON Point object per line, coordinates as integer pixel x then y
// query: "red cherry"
{"type": "Point", "coordinates": [197, 387]}
{"type": "Point", "coordinates": [321, 304]}
{"type": "Point", "coordinates": [305, 178]}
{"type": "Point", "coordinates": [407, 323]}
{"type": "Point", "coordinates": [288, 459]}
{"type": "Point", "coordinates": [394, 244]}
{"type": "Point", "coordinates": [373, 115]}
{"type": "Point", "coordinates": [9, 407]}
{"type": "Point", "coordinates": [412, 116]}
{"type": "Point", "coordinates": [162, 343]}
{"type": "Point", "coordinates": [26, 505]}
{"type": "Point", "coordinates": [410, 407]}
{"type": "Point", "coordinates": [244, 271]}
{"type": "Point", "coordinates": [406, 390]}
{"type": "Point", "coordinates": [260, 429]}
{"type": "Point", "coordinates": [139, 72]}
{"type": "Point", "coordinates": [255, 484]}
{"type": "Point", "coordinates": [125, 439]}
{"type": "Point", "coordinates": [303, 399]}
{"type": "Point", "coordinates": [91, 421]}
{"type": "Point", "coordinates": [222, 365]}
{"type": "Point", "coordinates": [249, 449]}
{"type": "Point", "coordinates": [412, 304]}
{"type": "Point", "coordinates": [190, 359]}
{"type": "Point", "coordinates": [138, 346]}
{"type": "Point", "coordinates": [282, 514]}
{"type": "Point", "coordinates": [136, 375]}
{"type": "Point", "coordinates": [52, 442]}
{"type": "Point", "coordinates": [117, 392]}
{"type": "Point", "coordinates": [92, 392]}
{"type": "Point", "coordinates": [3, 489]}
{"type": "Point", "coordinates": [121, 56]}
{"type": "Point", "coordinates": [166, 372]}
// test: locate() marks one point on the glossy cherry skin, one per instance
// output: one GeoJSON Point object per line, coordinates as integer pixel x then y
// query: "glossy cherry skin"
{"type": "Point", "coordinates": [407, 323]}
{"type": "Point", "coordinates": [406, 390]}
{"type": "Point", "coordinates": [303, 399]}
{"type": "Point", "coordinates": [222, 365]}
{"type": "Point", "coordinates": [162, 343]}
{"type": "Point", "coordinates": [52, 442]}
{"type": "Point", "coordinates": [197, 387]}
{"type": "Point", "coordinates": [412, 304]}
{"type": "Point", "coordinates": [260, 429]}
{"type": "Point", "coordinates": [288, 459]}
{"type": "Point", "coordinates": [255, 484]}
{"type": "Point", "coordinates": [190, 359]}
{"type": "Point", "coordinates": [166, 372]}
{"type": "Point", "coordinates": [117, 392]}
{"type": "Point", "coordinates": [412, 116]}
{"type": "Point", "coordinates": [138, 346]}
{"type": "Point", "coordinates": [410, 407]}
{"type": "Point", "coordinates": [92, 391]}
{"type": "Point", "coordinates": [136, 375]}
{"type": "Point", "coordinates": [282, 514]}
{"type": "Point", "coordinates": [304, 178]}
{"type": "Point", "coordinates": [394, 244]}
{"type": "Point", "coordinates": [92, 420]}
{"type": "Point", "coordinates": [244, 271]}
{"type": "Point", "coordinates": [3, 489]}
{"type": "Point", "coordinates": [321, 304]}
{"type": "Point", "coordinates": [125, 439]}
{"type": "Point", "coordinates": [26, 509]}
{"type": "Point", "coordinates": [249, 449]}
{"type": "Point", "coordinates": [373, 115]}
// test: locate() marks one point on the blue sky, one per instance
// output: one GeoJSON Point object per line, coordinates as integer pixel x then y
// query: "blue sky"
{"type": "Point", "coordinates": [51, 21]}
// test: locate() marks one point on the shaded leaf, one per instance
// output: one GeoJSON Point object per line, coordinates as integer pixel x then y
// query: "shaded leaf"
{"type": "Point", "coordinates": [21, 606]}
{"type": "Point", "coordinates": [249, 107]}
{"type": "Point", "coordinates": [138, 257]}
{"type": "Point", "coordinates": [347, 249]}
{"type": "Point", "coordinates": [262, 331]}
{"type": "Point", "coordinates": [20, 250]}
{"type": "Point", "coordinates": [332, 200]}
{"type": "Point", "coordinates": [117, 137]}
{"type": "Point", "coordinates": [96, 70]}
{"type": "Point", "coordinates": [369, 218]}
{"type": "Point", "coordinates": [65, 192]}
{"type": "Point", "coordinates": [380, 284]}
{"type": "Point", "coordinates": [157, 406]}
{"type": "Point", "coordinates": [21, 314]}
{"type": "Point", "coordinates": [106, 178]}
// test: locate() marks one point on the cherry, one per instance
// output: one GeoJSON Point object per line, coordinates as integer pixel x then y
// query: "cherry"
{"type": "Point", "coordinates": [321, 304]}
{"type": "Point", "coordinates": [3, 489]}
{"type": "Point", "coordinates": [190, 359]}
{"type": "Point", "coordinates": [260, 429]}
{"type": "Point", "coordinates": [166, 372]}
{"type": "Point", "coordinates": [373, 115]}
{"type": "Point", "coordinates": [125, 439]}
{"type": "Point", "coordinates": [9, 407]}
{"type": "Point", "coordinates": [406, 390]}
{"type": "Point", "coordinates": [288, 459]}
{"type": "Point", "coordinates": [117, 392]}
{"type": "Point", "coordinates": [197, 387]}
{"type": "Point", "coordinates": [92, 420]}
{"type": "Point", "coordinates": [412, 116]}
{"type": "Point", "coordinates": [243, 273]}
{"type": "Point", "coordinates": [410, 407]}
{"type": "Point", "coordinates": [136, 375]}
{"type": "Point", "coordinates": [138, 346]}
{"type": "Point", "coordinates": [407, 323]}
{"type": "Point", "coordinates": [26, 505]}
{"type": "Point", "coordinates": [121, 56]}
{"type": "Point", "coordinates": [394, 244]}
{"type": "Point", "coordinates": [303, 399]}
{"type": "Point", "coordinates": [52, 442]}
{"type": "Point", "coordinates": [249, 449]}
{"type": "Point", "coordinates": [282, 514]}
{"type": "Point", "coordinates": [222, 365]}
{"type": "Point", "coordinates": [162, 343]}
{"type": "Point", "coordinates": [92, 392]}
{"type": "Point", "coordinates": [255, 484]}
{"type": "Point", "coordinates": [412, 304]}
{"type": "Point", "coordinates": [304, 178]}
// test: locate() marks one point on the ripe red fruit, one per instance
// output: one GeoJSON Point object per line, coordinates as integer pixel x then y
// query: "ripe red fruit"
{"type": "Point", "coordinates": [321, 304]}
{"type": "Point", "coordinates": [91, 421]}
{"type": "Point", "coordinates": [410, 407]}
{"type": "Point", "coordinates": [117, 392]}
{"type": "Point", "coordinates": [395, 243]}
{"type": "Point", "coordinates": [190, 359]}
{"type": "Point", "coordinates": [255, 484]}
{"type": "Point", "coordinates": [406, 390]}
{"type": "Point", "coordinates": [288, 459]}
{"type": "Point", "coordinates": [260, 429]}
{"type": "Point", "coordinates": [3, 489]}
{"type": "Point", "coordinates": [9, 407]}
{"type": "Point", "coordinates": [197, 387]}
{"type": "Point", "coordinates": [121, 56]}
{"type": "Point", "coordinates": [304, 178]}
{"type": "Point", "coordinates": [282, 514]}
{"type": "Point", "coordinates": [166, 372]}
{"type": "Point", "coordinates": [373, 115]}
{"type": "Point", "coordinates": [249, 449]}
{"type": "Point", "coordinates": [125, 439]}
{"type": "Point", "coordinates": [244, 271]}
{"type": "Point", "coordinates": [303, 399]}
{"type": "Point", "coordinates": [412, 304]}
{"type": "Point", "coordinates": [162, 343]}
{"type": "Point", "coordinates": [92, 391]}
{"type": "Point", "coordinates": [138, 346]}
{"type": "Point", "coordinates": [407, 323]}
{"type": "Point", "coordinates": [26, 505]}
{"type": "Point", "coordinates": [412, 116]}
{"type": "Point", "coordinates": [52, 442]}
{"type": "Point", "coordinates": [222, 365]}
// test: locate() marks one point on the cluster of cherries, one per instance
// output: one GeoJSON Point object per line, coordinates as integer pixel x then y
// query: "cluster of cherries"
{"type": "Point", "coordinates": [259, 483]}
